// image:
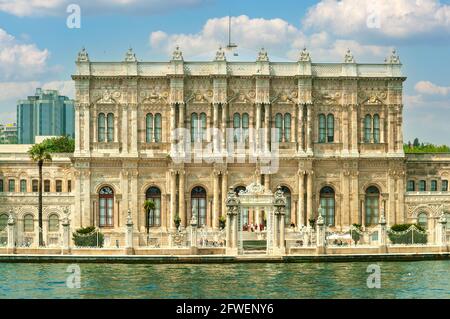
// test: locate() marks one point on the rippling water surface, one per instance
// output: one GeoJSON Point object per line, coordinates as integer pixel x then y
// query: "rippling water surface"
{"type": "Point", "coordinates": [426, 279]}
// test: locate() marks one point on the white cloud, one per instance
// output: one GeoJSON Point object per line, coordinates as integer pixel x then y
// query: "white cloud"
{"type": "Point", "coordinates": [397, 19]}
{"type": "Point", "coordinates": [23, 8]}
{"type": "Point", "coordinates": [20, 61]}
{"type": "Point", "coordinates": [427, 87]}
{"type": "Point", "coordinates": [13, 91]}
{"type": "Point", "coordinates": [279, 37]}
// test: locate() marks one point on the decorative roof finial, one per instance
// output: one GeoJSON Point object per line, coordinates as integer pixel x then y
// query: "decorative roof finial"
{"type": "Point", "coordinates": [393, 59]}
{"type": "Point", "coordinates": [130, 56]}
{"type": "Point", "coordinates": [304, 56]}
{"type": "Point", "coordinates": [83, 56]}
{"type": "Point", "coordinates": [177, 55]}
{"type": "Point", "coordinates": [262, 56]}
{"type": "Point", "coordinates": [220, 55]}
{"type": "Point", "coordinates": [349, 57]}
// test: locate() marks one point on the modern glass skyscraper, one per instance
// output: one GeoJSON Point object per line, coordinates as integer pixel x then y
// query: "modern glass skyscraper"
{"type": "Point", "coordinates": [45, 114]}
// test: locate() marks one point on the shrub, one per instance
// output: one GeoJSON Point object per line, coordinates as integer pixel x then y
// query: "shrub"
{"type": "Point", "coordinates": [88, 237]}
{"type": "Point", "coordinates": [222, 222]}
{"type": "Point", "coordinates": [355, 234]}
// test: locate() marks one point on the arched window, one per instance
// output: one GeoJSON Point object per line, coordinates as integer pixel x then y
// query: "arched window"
{"type": "Point", "coordinates": [245, 125]}
{"type": "Point", "coordinates": [372, 205]}
{"type": "Point", "coordinates": [287, 211]}
{"type": "Point", "coordinates": [322, 128]}
{"type": "Point", "coordinates": [194, 127]}
{"type": "Point", "coordinates": [149, 128]}
{"type": "Point", "coordinates": [3, 221]}
{"type": "Point", "coordinates": [158, 127]}
{"type": "Point", "coordinates": [23, 185]}
{"type": "Point", "coordinates": [411, 186]}
{"type": "Point", "coordinates": [28, 223]}
{"type": "Point", "coordinates": [422, 186]}
{"type": "Point", "coordinates": [245, 219]}
{"type": "Point", "coordinates": [198, 204]}
{"type": "Point", "coordinates": [101, 127]}
{"type": "Point", "coordinates": [330, 128]}
{"type": "Point", "coordinates": [287, 127]}
{"type": "Point", "coordinates": [237, 127]}
{"type": "Point", "coordinates": [154, 216]}
{"type": "Point", "coordinates": [106, 207]}
{"type": "Point", "coordinates": [202, 127]}
{"type": "Point", "coordinates": [422, 220]}
{"type": "Point", "coordinates": [47, 186]}
{"type": "Point", "coordinates": [53, 223]}
{"type": "Point", "coordinates": [110, 127]}
{"type": "Point", "coordinates": [444, 186]}
{"type": "Point", "coordinates": [376, 128]}
{"type": "Point", "coordinates": [327, 203]}
{"type": "Point", "coordinates": [35, 185]}
{"type": "Point", "coordinates": [279, 126]}
{"type": "Point", "coordinates": [367, 128]}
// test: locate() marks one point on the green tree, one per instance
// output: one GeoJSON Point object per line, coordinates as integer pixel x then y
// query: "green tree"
{"type": "Point", "coordinates": [60, 144]}
{"type": "Point", "coordinates": [40, 154]}
{"type": "Point", "coordinates": [416, 142]}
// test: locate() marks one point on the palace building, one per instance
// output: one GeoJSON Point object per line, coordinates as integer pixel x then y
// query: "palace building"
{"type": "Point", "coordinates": [338, 145]}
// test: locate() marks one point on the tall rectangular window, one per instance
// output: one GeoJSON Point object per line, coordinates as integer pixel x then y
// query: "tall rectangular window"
{"type": "Point", "coordinates": [1, 185]}
{"type": "Point", "coordinates": [69, 186]}
{"type": "Point", "coordinates": [422, 186]}
{"type": "Point", "coordinates": [12, 185]}
{"type": "Point", "coordinates": [47, 186]}
{"type": "Point", "coordinates": [410, 186]}
{"type": "Point", "coordinates": [110, 127]}
{"type": "Point", "coordinates": [433, 186]}
{"type": "Point", "coordinates": [23, 185]}
{"type": "Point", "coordinates": [444, 186]}
{"type": "Point", "coordinates": [58, 186]}
{"type": "Point", "coordinates": [35, 186]}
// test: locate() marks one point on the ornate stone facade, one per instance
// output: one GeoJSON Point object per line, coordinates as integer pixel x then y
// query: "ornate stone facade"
{"type": "Point", "coordinates": [341, 143]}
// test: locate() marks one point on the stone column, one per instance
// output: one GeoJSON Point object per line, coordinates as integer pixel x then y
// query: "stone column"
{"type": "Point", "coordinates": [399, 139]}
{"type": "Point", "coordinates": [282, 234]}
{"type": "Point", "coordinates": [116, 127]}
{"type": "Point", "coordinates": [354, 133]}
{"type": "Point", "coordinates": [224, 192]}
{"type": "Point", "coordinates": [258, 127]}
{"type": "Point", "coordinates": [215, 127]}
{"type": "Point", "coordinates": [309, 134]}
{"type": "Point", "coordinates": [129, 234]}
{"type": "Point", "coordinates": [301, 148]}
{"type": "Point", "coordinates": [181, 200]}
{"type": "Point", "coordinates": [65, 223]}
{"type": "Point", "coordinates": [193, 231]}
{"type": "Point", "coordinates": [442, 232]}
{"type": "Point", "coordinates": [224, 127]}
{"type": "Point", "coordinates": [232, 204]}
{"type": "Point", "coordinates": [267, 127]}
{"type": "Point", "coordinates": [309, 189]}
{"type": "Point", "coordinates": [134, 129]}
{"type": "Point", "coordinates": [301, 199]}
{"type": "Point", "coordinates": [173, 125]}
{"type": "Point", "coordinates": [390, 135]}
{"type": "Point", "coordinates": [181, 126]}
{"type": "Point", "coordinates": [320, 233]}
{"type": "Point", "coordinates": [216, 199]}
{"type": "Point", "coordinates": [383, 233]}
{"type": "Point", "coordinates": [11, 230]}
{"type": "Point", "coordinates": [87, 128]}
{"type": "Point", "coordinates": [173, 196]}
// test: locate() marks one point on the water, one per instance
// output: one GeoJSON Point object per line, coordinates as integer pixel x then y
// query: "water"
{"type": "Point", "coordinates": [425, 279]}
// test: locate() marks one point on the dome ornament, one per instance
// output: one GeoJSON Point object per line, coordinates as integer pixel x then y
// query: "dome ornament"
{"type": "Point", "coordinates": [130, 56]}
{"type": "Point", "coordinates": [393, 58]}
{"type": "Point", "coordinates": [83, 56]}
{"type": "Point", "coordinates": [177, 55]}
{"type": "Point", "coordinates": [304, 56]}
{"type": "Point", "coordinates": [349, 57]}
{"type": "Point", "coordinates": [262, 56]}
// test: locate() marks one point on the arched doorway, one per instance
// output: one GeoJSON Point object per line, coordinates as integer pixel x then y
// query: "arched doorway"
{"type": "Point", "coordinates": [153, 216]}
{"type": "Point", "coordinates": [372, 206]}
{"type": "Point", "coordinates": [327, 203]}
{"type": "Point", "coordinates": [198, 205]}
{"type": "Point", "coordinates": [106, 207]}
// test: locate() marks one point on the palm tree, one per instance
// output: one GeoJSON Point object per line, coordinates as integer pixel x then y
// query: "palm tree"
{"type": "Point", "coordinates": [40, 154]}
{"type": "Point", "coordinates": [149, 206]}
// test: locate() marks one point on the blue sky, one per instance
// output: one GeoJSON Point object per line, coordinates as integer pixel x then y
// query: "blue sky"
{"type": "Point", "coordinates": [38, 49]}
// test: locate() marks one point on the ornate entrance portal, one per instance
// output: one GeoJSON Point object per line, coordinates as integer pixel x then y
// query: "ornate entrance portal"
{"type": "Point", "coordinates": [255, 196]}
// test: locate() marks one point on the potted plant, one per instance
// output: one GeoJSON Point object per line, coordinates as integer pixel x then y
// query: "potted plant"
{"type": "Point", "coordinates": [312, 222]}
{"type": "Point", "coordinates": [355, 234]}
{"type": "Point", "coordinates": [222, 222]}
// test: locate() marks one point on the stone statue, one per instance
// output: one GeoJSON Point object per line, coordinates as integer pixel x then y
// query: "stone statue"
{"type": "Point", "coordinates": [177, 55]}
{"type": "Point", "coordinates": [129, 218]}
{"type": "Point", "coordinates": [220, 55]}
{"type": "Point", "coordinates": [11, 217]}
{"type": "Point", "coordinates": [130, 56]}
{"type": "Point", "coordinates": [349, 57]}
{"type": "Point", "coordinates": [393, 59]}
{"type": "Point", "coordinates": [304, 56]}
{"type": "Point", "coordinates": [83, 56]}
{"type": "Point", "coordinates": [262, 56]}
